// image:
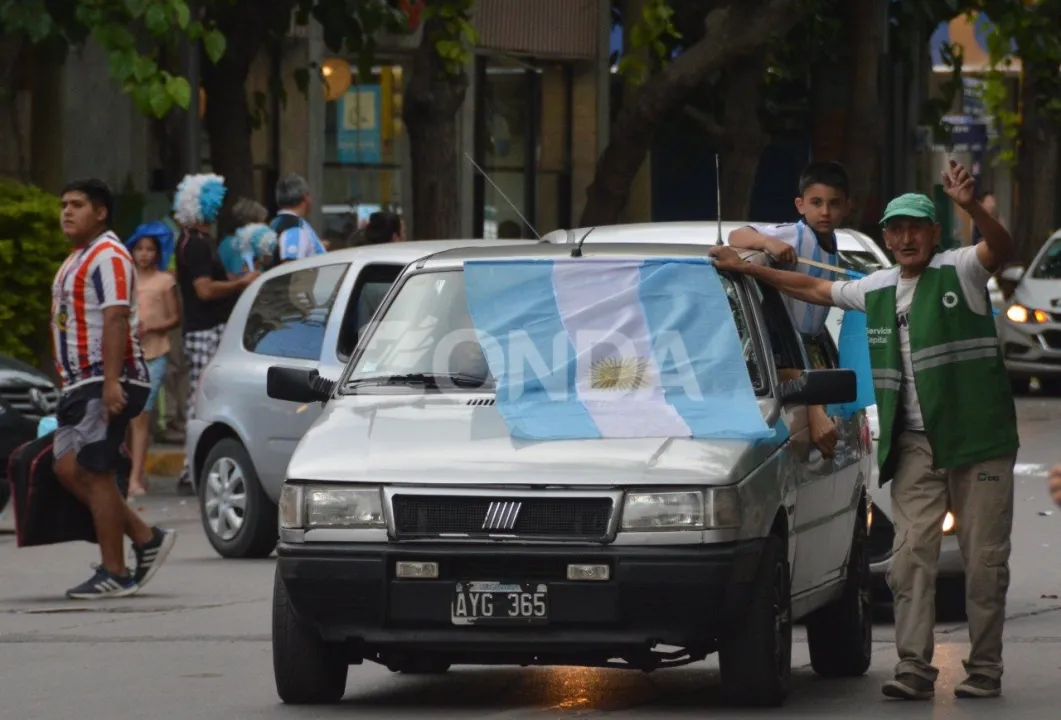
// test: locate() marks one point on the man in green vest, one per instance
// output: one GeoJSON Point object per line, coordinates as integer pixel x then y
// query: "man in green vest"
{"type": "Point", "coordinates": [948, 423]}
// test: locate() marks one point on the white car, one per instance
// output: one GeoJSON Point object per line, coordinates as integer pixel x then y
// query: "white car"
{"type": "Point", "coordinates": [1030, 327]}
{"type": "Point", "coordinates": [858, 252]}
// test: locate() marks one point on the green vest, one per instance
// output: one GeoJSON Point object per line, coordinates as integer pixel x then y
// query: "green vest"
{"type": "Point", "coordinates": [961, 379]}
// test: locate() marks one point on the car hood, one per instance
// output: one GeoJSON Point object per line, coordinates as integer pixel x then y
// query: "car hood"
{"type": "Point", "coordinates": [1039, 294]}
{"type": "Point", "coordinates": [451, 441]}
{"type": "Point", "coordinates": [16, 372]}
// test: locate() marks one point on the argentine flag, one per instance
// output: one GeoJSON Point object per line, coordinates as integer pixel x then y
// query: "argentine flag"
{"type": "Point", "coordinates": [600, 348]}
{"type": "Point", "coordinates": [853, 348]}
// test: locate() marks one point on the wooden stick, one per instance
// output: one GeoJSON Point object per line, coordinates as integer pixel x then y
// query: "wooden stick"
{"type": "Point", "coordinates": [824, 266]}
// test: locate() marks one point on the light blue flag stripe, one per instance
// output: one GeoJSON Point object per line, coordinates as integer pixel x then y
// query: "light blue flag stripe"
{"type": "Point", "coordinates": [687, 298]}
{"type": "Point", "coordinates": [503, 299]}
{"type": "Point", "coordinates": [853, 348]}
{"type": "Point", "coordinates": [515, 309]}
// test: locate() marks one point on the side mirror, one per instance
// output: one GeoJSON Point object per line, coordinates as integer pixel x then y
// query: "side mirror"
{"type": "Point", "coordinates": [820, 387]}
{"type": "Point", "coordinates": [1012, 274]}
{"type": "Point", "coordinates": [297, 385]}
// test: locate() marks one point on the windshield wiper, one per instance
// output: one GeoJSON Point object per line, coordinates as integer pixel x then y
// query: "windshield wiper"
{"type": "Point", "coordinates": [431, 380]}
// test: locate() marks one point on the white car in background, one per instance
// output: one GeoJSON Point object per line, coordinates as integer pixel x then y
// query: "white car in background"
{"type": "Point", "coordinates": [857, 252]}
{"type": "Point", "coordinates": [1029, 326]}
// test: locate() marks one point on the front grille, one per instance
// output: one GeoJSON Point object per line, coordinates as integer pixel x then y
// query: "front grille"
{"type": "Point", "coordinates": [1052, 338]}
{"type": "Point", "coordinates": [420, 516]}
{"type": "Point", "coordinates": [31, 402]}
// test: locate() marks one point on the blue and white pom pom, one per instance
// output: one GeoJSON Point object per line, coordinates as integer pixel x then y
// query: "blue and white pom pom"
{"type": "Point", "coordinates": [257, 239]}
{"type": "Point", "coordinates": [198, 199]}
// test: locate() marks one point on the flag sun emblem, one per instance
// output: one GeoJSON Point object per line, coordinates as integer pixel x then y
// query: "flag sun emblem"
{"type": "Point", "coordinates": [618, 373]}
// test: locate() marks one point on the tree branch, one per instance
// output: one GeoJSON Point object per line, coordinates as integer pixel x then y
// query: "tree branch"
{"type": "Point", "coordinates": [732, 31]}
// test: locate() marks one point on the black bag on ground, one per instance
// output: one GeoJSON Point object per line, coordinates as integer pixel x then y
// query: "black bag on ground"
{"type": "Point", "coordinates": [45, 512]}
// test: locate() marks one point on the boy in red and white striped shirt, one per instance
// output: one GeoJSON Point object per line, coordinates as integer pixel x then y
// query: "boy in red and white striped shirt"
{"type": "Point", "coordinates": [105, 384]}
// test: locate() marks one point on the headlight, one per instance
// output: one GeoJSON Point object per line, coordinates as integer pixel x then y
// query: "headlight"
{"type": "Point", "coordinates": [1020, 314]}
{"type": "Point", "coordinates": [682, 510]}
{"type": "Point", "coordinates": [321, 506]}
{"type": "Point", "coordinates": [948, 523]}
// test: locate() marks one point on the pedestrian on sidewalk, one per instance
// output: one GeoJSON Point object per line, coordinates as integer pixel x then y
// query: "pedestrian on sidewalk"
{"type": "Point", "coordinates": [244, 212]}
{"type": "Point", "coordinates": [104, 385]}
{"type": "Point", "coordinates": [948, 423]}
{"type": "Point", "coordinates": [823, 201]}
{"type": "Point", "coordinates": [158, 311]}
{"type": "Point", "coordinates": [296, 239]}
{"type": "Point", "coordinates": [207, 294]}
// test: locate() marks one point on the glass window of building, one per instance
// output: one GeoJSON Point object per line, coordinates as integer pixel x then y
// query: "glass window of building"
{"type": "Point", "coordinates": [523, 142]}
{"type": "Point", "coordinates": [364, 146]}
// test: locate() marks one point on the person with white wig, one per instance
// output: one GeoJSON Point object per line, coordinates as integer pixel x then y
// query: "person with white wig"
{"type": "Point", "coordinates": [207, 293]}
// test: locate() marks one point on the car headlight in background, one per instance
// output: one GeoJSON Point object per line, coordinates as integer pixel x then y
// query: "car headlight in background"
{"type": "Point", "coordinates": [948, 523]}
{"type": "Point", "coordinates": [1020, 314]}
{"type": "Point", "coordinates": [682, 510]}
{"type": "Point", "coordinates": [325, 506]}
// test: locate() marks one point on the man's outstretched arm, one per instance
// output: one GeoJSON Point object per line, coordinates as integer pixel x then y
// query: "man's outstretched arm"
{"type": "Point", "coordinates": [802, 287]}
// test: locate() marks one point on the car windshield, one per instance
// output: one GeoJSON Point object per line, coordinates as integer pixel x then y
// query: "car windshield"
{"type": "Point", "coordinates": [1049, 265]}
{"type": "Point", "coordinates": [426, 338]}
{"type": "Point", "coordinates": [860, 261]}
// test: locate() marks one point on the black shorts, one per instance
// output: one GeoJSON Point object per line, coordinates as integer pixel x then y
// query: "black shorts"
{"type": "Point", "coordinates": [86, 428]}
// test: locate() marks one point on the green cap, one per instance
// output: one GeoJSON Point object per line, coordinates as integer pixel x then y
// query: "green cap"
{"type": "Point", "coordinates": [913, 205]}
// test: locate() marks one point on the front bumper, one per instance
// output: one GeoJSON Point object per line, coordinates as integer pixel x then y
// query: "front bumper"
{"type": "Point", "coordinates": [1030, 349]}
{"type": "Point", "coordinates": [678, 596]}
{"type": "Point", "coordinates": [193, 431]}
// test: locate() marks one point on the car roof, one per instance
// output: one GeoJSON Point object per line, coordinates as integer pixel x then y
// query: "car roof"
{"type": "Point", "coordinates": [400, 253]}
{"type": "Point", "coordinates": [548, 250]}
{"type": "Point", "coordinates": [692, 233]}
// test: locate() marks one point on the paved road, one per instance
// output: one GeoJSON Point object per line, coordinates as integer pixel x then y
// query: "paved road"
{"type": "Point", "coordinates": [195, 644]}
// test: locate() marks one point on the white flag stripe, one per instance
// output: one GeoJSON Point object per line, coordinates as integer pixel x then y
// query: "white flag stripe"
{"type": "Point", "coordinates": [601, 310]}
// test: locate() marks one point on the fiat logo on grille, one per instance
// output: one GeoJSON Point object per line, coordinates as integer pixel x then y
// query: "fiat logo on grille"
{"type": "Point", "coordinates": [502, 515]}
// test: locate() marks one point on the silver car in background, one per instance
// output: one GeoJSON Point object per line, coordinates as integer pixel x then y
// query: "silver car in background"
{"type": "Point", "coordinates": [307, 313]}
{"type": "Point", "coordinates": [1030, 326]}
{"type": "Point", "coordinates": [858, 252]}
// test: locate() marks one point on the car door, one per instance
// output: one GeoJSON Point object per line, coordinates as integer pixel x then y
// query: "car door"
{"type": "Point", "coordinates": [287, 324]}
{"type": "Point", "coordinates": [848, 465]}
{"type": "Point", "coordinates": [815, 480]}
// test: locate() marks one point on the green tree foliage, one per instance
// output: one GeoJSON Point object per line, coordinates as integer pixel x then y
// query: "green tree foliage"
{"type": "Point", "coordinates": [31, 249]}
{"type": "Point", "coordinates": [132, 32]}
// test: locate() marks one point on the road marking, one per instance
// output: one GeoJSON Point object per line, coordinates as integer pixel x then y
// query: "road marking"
{"type": "Point", "coordinates": [1031, 469]}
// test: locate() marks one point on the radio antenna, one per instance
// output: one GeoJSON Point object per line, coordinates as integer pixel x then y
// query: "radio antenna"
{"type": "Point", "coordinates": [502, 194]}
{"type": "Point", "coordinates": [718, 200]}
{"type": "Point", "coordinates": [577, 250]}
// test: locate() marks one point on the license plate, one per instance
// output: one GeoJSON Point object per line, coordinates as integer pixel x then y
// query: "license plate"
{"type": "Point", "coordinates": [496, 603]}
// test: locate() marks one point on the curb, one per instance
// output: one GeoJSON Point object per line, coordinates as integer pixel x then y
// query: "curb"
{"type": "Point", "coordinates": [164, 461]}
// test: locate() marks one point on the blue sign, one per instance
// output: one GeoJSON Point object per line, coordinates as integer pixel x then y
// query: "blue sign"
{"type": "Point", "coordinates": [358, 126]}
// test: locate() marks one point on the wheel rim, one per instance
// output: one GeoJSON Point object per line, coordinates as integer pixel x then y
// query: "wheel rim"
{"type": "Point", "coordinates": [782, 622]}
{"type": "Point", "coordinates": [225, 498]}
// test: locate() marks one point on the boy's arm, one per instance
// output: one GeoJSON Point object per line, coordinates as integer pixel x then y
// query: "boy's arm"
{"type": "Point", "coordinates": [748, 238]}
{"type": "Point", "coordinates": [802, 287]}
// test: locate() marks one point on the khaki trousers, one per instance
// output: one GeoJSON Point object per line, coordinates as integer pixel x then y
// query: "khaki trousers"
{"type": "Point", "coordinates": [981, 498]}
{"type": "Point", "coordinates": [176, 384]}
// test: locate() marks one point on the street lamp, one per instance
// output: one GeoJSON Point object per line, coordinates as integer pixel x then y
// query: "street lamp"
{"type": "Point", "coordinates": [337, 78]}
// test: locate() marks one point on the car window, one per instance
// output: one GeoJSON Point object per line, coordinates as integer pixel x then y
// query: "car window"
{"type": "Point", "coordinates": [371, 287]}
{"type": "Point", "coordinates": [859, 260]}
{"type": "Point", "coordinates": [290, 312]}
{"type": "Point", "coordinates": [427, 329]}
{"type": "Point", "coordinates": [1049, 265]}
{"type": "Point", "coordinates": [785, 343]}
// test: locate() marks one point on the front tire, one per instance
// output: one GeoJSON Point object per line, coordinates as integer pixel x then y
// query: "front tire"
{"type": "Point", "coordinates": [755, 656]}
{"type": "Point", "coordinates": [307, 670]}
{"type": "Point", "coordinates": [840, 635]}
{"type": "Point", "coordinates": [239, 519]}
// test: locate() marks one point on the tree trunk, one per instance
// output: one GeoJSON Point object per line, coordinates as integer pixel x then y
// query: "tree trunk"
{"type": "Point", "coordinates": [745, 140]}
{"type": "Point", "coordinates": [864, 132]}
{"type": "Point", "coordinates": [433, 97]}
{"type": "Point", "coordinates": [13, 147]}
{"type": "Point", "coordinates": [247, 25]}
{"type": "Point", "coordinates": [1037, 169]}
{"type": "Point", "coordinates": [735, 30]}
